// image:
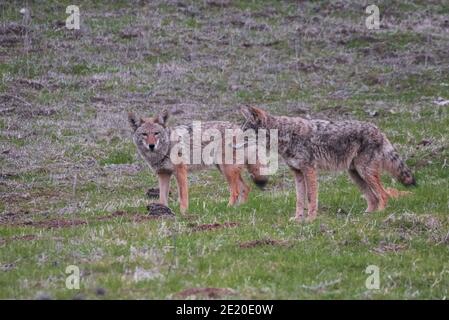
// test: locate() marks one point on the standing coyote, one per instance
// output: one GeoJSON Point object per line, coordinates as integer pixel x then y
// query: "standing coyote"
{"type": "Point", "coordinates": [152, 138]}
{"type": "Point", "coordinates": [310, 145]}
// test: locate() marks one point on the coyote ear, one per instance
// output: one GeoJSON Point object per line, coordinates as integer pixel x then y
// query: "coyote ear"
{"type": "Point", "coordinates": [244, 110]}
{"type": "Point", "coordinates": [133, 121]}
{"type": "Point", "coordinates": [254, 114]}
{"type": "Point", "coordinates": [162, 118]}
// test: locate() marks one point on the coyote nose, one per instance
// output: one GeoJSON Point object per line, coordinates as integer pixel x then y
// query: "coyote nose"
{"type": "Point", "coordinates": [151, 146]}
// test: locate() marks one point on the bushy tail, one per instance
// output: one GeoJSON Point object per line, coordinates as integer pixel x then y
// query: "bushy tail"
{"type": "Point", "coordinates": [254, 170]}
{"type": "Point", "coordinates": [394, 164]}
{"type": "Point", "coordinates": [395, 193]}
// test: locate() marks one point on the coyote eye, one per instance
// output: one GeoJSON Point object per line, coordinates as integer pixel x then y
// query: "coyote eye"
{"type": "Point", "coordinates": [145, 134]}
{"type": "Point", "coordinates": [156, 133]}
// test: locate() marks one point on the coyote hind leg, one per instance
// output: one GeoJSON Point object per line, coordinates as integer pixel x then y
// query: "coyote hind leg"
{"type": "Point", "coordinates": [300, 195]}
{"type": "Point", "coordinates": [311, 179]}
{"type": "Point", "coordinates": [370, 173]}
{"type": "Point", "coordinates": [368, 194]}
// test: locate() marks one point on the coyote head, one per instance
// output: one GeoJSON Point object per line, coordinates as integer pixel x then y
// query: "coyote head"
{"type": "Point", "coordinates": [150, 134]}
{"type": "Point", "coordinates": [255, 118]}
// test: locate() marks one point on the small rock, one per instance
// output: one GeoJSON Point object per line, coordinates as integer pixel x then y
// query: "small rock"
{"type": "Point", "coordinates": [373, 113]}
{"type": "Point", "coordinates": [157, 209]}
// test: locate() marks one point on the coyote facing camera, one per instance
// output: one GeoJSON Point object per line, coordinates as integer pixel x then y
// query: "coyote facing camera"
{"type": "Point", "coordinates": [310, 145]}
{"type": "Point", "coordinates": [153, 140]}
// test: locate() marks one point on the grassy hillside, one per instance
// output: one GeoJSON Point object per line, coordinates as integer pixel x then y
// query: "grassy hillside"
{"type": "Point", "coordinates": [72, 187]}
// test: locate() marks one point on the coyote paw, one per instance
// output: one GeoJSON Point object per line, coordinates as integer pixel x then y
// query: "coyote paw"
{"type": "Point", "coordinates": [310, 218]}
{"type": "Point", "coordinates": [297, 219]}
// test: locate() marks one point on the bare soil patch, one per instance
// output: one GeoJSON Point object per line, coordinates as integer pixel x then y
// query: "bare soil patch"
{"type": "Point", "coordinates": [27, 237]}
{"type": "Point", "coordinates": [14, 104]}
{"type": "Point", "coordinates": [12, 217]}
{"type": "Point", "coordinates": [28, 83]}
{"type": "Point", "coordinates": [134, 217]}
{"type": "Point", "coordinates": [389, 247]}
{"type": "Point", "coordinates": [263, 242]}
{"type": "Point", "coordinates": [213, 226]}
{"type": "Point", "coordinates": [11, 34]}
{"type": "Point", "coordinates": [54, 223]}
{"type": "Point", "coordinates": [112, 215]}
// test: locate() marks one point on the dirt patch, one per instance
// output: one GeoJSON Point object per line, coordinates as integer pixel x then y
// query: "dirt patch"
{"type": "Point", "coordinates": [262, 44]}
{"type": "Point", "coordinates": [18, 105]}
{"type": "Point", "coordinates": [138, 218]}
{"type": "Point", "coordinates": [389, 247]}
{"type": "Point", "coordinates": [11, 34]}
{"type": "Point", "coordinates": [12, 217]}
{"type": "Point", "coordinates": [304, 66]}
{"type": "Point", "coordinates": [219, 3]}
{"type": "Point", "coordinates": [211, 293]}
{"type": "Point", "coordinates": [27, 237]}
{"type": "Point", "coordinates": [53, 223]}
{"type": "Point", "coordinates": [332, 113]}
{"type": "Point", "coordinates": [134, 217]}
{"type": "Point", "coordinates": [13, 28]}
{"type": "Point", "coordinates": [28, 83]}
{"type": "Point", "coordinates": [112, 215]}
{"type": "Point", "coordinates": [263, 242]}
{"type": "Point", "coordinates": [213, 226]}
{"type": "Point", "coordinates": [19, 220]}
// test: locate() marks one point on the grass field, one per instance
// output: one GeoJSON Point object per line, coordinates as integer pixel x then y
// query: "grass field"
{"type": "Point", "coordinates": [72, 187]}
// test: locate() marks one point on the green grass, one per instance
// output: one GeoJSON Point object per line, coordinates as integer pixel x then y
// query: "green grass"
{"type": "Point", "coordinates": [79, 164]}
{"type": "Point", "coordinates": [118, 157]}
{"type": "Point", "coordinates": [336, 248]}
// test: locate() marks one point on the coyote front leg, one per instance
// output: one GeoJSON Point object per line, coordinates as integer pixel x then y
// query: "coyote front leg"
{"type": "Point", "coordinates": [183, 189]}
{"type": "Point", "coordinates": [300, 194]}
{"type": "Point", "coordinates": [311, 180]}
{"type": "Point", "coordinates": [232, 174]}
{"type": "Point", "coordinates": [164, 187]}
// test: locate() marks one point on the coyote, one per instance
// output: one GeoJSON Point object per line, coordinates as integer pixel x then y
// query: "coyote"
{"type": "Point", "coordinates": [309, 145]}
{"type": "Point", "coordinates": [152, 138]}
